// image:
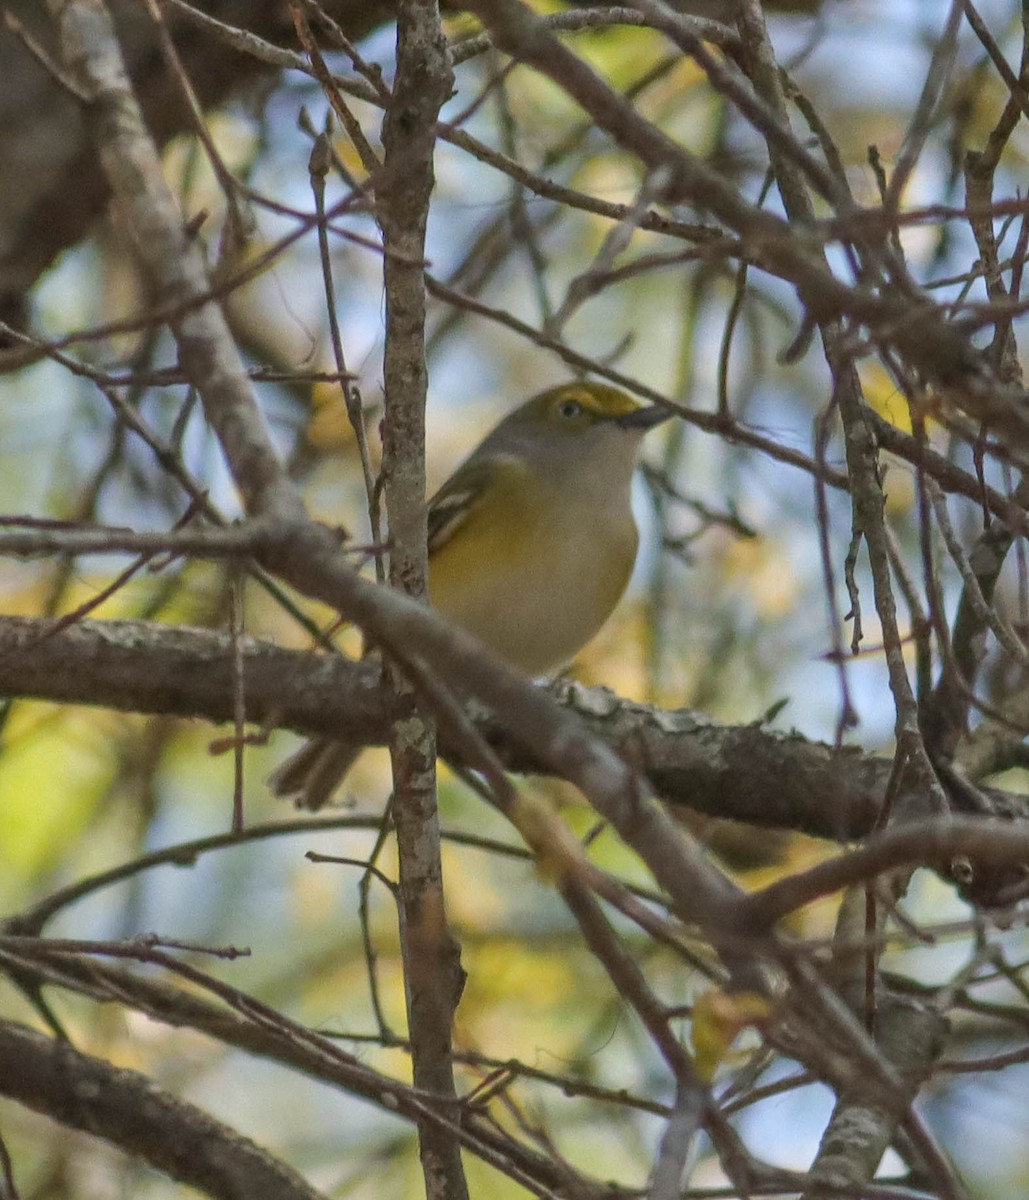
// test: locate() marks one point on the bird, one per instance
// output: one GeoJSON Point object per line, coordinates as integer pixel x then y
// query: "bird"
{"type": "Point", "coordinates": [531, 544]}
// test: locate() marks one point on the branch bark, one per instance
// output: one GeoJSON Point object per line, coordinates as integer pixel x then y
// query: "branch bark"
{"type": "Point", "coordinates": [131, 1112]}
{"type": "Point", "coordinates": [747, 773]}
{"type": "Point", "coordinates": [250, 1027]}
{"type": "Point", "coordinates": [433, 975]}
{"type": "Point", "coordinates": [62, 193]}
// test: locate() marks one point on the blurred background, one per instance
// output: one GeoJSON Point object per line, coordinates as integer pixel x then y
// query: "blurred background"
{"type": "Point", "coordinates": [728, 612]}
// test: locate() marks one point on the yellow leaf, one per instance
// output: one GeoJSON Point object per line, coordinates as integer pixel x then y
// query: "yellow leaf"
{"type": "Point", "coordinates": [882, 395]}
{"type": "Point", "coordinates": [718, 1019]}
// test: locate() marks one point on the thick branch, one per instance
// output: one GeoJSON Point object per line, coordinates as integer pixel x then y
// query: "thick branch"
{"type": "Point", "coordinates": [61, 193]}
{"type": "Point", "coordinates": [911, 1037]}
{"type": "Point", "coordinates": [133, 1113]}
{"type": "Point", "coordinates": [744, 772]}
{"type": "Point", "coordinates": [172, 261]}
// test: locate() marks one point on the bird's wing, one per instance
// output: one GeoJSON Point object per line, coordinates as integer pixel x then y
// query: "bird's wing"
{"type": "Point", "coordinates": [459, 497]}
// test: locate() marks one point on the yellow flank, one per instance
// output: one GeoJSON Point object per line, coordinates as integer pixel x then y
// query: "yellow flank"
{"type": "Point", "coordinates": [530, 575]}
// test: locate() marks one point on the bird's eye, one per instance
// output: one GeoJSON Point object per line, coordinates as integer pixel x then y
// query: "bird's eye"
{"type": "Point", "coordinates": [569, 409]}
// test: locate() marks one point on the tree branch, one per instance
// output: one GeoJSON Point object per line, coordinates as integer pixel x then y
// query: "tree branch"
{"type": "Point", "coordinates": [433, 975]}
{"type": "Point", "coordinates": [131, 1112]}
{"type": "Point", "coordinates": [245, 1024]}
{"type": "Point", "coordinates": [172, 261]}
{"type": "Point", "coordinates": [747, 773]}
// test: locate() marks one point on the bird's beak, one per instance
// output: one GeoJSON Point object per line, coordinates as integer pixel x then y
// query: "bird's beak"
{"type": "Point", "coordinates": [644, 418]}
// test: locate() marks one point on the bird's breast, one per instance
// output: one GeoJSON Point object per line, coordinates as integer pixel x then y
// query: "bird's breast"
{"type": "Point", "coordinates": [535, 586]}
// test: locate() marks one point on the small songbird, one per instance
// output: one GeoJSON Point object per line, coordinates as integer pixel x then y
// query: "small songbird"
{"type": "Point", "coordinates": [531, 543]}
